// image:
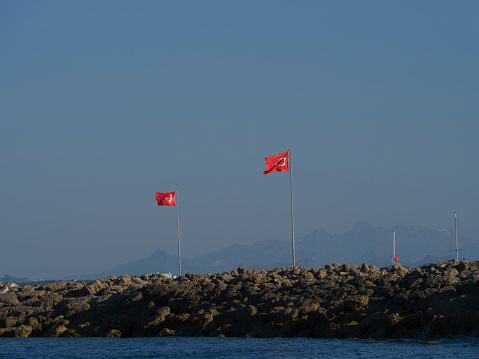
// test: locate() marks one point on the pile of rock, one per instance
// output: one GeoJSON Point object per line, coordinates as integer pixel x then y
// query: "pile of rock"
{"type": "Point", "coordinates": [338, 301]}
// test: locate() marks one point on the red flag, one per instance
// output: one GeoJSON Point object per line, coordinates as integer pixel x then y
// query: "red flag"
{"type": "Point", "coordinates": [277, 163]}
{"type": "Point", "coordinates": [396, 259]}
{"type": "Point", "coordinates": [166, 198]}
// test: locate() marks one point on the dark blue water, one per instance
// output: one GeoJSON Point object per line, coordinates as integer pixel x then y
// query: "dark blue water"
{"type": "Point", "coordinates": [216, 348]}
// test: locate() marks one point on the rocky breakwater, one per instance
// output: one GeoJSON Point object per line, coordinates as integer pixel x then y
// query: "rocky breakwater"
{"type": "Point", "coordinates": [338, 301]}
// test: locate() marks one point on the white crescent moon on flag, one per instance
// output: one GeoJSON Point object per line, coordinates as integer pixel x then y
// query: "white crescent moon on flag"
{"type": "Point", "coordinates": [283, 160]}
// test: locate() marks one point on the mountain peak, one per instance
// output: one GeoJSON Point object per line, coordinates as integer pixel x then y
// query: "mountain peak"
{"type": "Point", "coordinates": [361, 226]}
{"type": "Point", "coordinates": [444, 229]}
{"type": "Point", "coordinates": [364, 243]}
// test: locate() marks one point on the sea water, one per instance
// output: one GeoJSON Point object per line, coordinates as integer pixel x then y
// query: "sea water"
{"type": "Point", "coordinates": [216, 348]}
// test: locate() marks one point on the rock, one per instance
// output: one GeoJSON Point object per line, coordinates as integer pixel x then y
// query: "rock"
{"type": "Point", "coordinates": [9, 298]}
{"type": "Point", "coordinates": [124, 280]}
{"type": "Point", "coordinates": [71, 306]}
{"type": "Point", "coordinates": [113, 333]}
{"type": "Point", "coordinates": [34, 323]}
{"type": "Point", "coordinates": [364, 268]}
{"type": "Point", "coordinates": [23, 331]}
{"type": "Point", "coordinates": [70, 333]}
{"type": "Point", "coordinates": [308, 307]}
{"type": "Point", "coordinates": [165, 332]}
{"type": "Point", "coordinates": [85, 291]}
{"type": "Point", "coordinates": [9, 322]}
{"type": "Point", "coordinates": [355, 302]}
{"type": "Point", "coordinates": [462, 266]}
{"type": "Point", "coordinates": [85, 329]}
{"type": "Point", "coordinates": [336, 301]}
{"type": "Point", "coordinates": [52, 287]}
{"type": "Point", "coordinates": [398, 269]}
{"type": "Point", "coordinates": [55, 331]}
{"type": "Point", "coordinates": [451, 272]}
{"type": "Point", "coordinates": [49, 300]}
{"type": "Point", "coordinates": [159, 317]}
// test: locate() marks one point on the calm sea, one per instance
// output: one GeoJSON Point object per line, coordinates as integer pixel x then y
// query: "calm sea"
{"type": "Point", "coordinates": [216, 348]}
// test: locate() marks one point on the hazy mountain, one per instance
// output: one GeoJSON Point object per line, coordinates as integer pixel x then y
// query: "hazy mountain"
{"type": "Point", "coordinates": [159, 261]}
{"type": "Point", "coordinates": [364, 243]}
{"type": "Point", "coordinates": [10, 279]}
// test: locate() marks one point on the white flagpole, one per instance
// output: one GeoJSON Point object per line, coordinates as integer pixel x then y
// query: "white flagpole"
{"type": "Point", "coordinates": [178, 225]}
{"type": "Point", "coordinates": [455, 234]}
{"type": "Point", "coordinates": [292, 216]}
{"type": "Point", "coordinates": [394, 245]}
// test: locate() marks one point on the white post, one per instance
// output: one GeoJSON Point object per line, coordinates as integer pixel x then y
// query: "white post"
{"type": "Point", "coordinates": [455, 234]}
{"type": "Point", "coordinates": [178, 226]}
{"type": "Point", "coordinates": [394, 245]}
{"type": "Point", "coordinates": [292, 216]}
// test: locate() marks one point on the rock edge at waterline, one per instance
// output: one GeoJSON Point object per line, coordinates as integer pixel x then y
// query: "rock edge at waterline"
{"type": "Point", "coordinates": [338, 301]}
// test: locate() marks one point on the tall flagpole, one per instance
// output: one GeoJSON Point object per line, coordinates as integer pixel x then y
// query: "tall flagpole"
{"type": "Point", "coordinates": [455, 234]}
{"type": "Point", "coordinates": [394, 246]}
{"type": "Point", "coordinates": [292, 216]}
{"type": "Point", "coordinates": [178, 225]}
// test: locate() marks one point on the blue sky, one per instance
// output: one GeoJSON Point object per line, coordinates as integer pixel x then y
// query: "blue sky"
{"type": "Point", "coordinates": [104, 103]}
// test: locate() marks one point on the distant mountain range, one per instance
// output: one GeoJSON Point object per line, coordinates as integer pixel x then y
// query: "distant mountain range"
{"type": "Point", "coordinates": [364, 243]}
{"type": "Point", "coordinates": [10, 279]}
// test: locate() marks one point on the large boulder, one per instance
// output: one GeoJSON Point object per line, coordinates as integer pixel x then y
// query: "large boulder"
{"type": "Point", "coordinates": [23, 331]}
{"type": "Point", "coordinates": [9, 298]}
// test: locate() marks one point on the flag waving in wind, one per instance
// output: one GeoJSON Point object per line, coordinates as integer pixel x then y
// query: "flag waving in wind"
{"type": "Point", "coordinates": [282, 163]}
{"type": "Point", "coordinates": [277, 163]}
{"type": "Point", "coordinates": [166, 198]}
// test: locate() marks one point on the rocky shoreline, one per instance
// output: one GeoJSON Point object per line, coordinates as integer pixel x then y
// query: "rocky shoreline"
{"type": "Point", "coordinates": [338, 301]}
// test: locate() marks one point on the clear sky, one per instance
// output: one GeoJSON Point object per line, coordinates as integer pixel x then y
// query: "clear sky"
{"type": "Point", "coordinates": [103, 103]}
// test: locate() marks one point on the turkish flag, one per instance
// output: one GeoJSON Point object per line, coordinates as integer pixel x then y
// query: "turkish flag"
{"type": "Point", "coordinates": [166, 198]}
{"type": "Point", "coordinates": [396, 259]}
{"type": "Point", "coordinates": [277, 163]}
